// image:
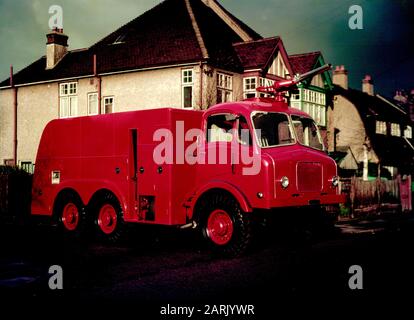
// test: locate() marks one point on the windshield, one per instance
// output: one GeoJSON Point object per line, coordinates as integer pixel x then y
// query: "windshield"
{"type": "Point", "coordinates": [272, 129]}
{"type": "Point", "coordinates": [307, 132]}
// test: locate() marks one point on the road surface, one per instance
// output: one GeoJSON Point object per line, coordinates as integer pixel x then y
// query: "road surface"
{"type": "Point", "coordinates": [159, 268]}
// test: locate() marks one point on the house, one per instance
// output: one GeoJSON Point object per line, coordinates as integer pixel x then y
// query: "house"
{"type": "Point", "coordinates": [368, 134]}
{"type": "Point", "coordinates": [405, 100]}
{"type": "Point", "coordinates": [312, 95]}
{"type": "Point", "coordinates": [181, 54]}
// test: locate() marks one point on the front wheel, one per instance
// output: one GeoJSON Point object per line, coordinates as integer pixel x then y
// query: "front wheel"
{"type": "Point", "coordinates": [224, 225]}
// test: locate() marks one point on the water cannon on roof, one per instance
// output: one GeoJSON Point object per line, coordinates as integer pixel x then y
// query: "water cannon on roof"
{"type": "Point", "coordinates": [280, 87]}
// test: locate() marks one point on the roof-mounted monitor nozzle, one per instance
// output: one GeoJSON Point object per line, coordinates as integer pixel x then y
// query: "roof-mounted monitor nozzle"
{"type": "Point", "coordinates": [280, 87]}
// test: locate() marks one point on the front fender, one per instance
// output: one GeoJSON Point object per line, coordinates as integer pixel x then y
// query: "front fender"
{"type": "Point", "coordinates": [217, 184]}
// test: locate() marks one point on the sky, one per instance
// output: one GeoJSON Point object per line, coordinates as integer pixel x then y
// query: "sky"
{"type": "Point", "coordinates": [384, 48]}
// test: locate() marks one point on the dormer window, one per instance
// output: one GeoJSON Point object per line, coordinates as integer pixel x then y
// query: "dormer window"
{"type": "Point", "coordinates": [395, 130]}
{"type": "Point", "coordinates": [381, 127]}
{"type": "Point", "coordinates": [408, 132]}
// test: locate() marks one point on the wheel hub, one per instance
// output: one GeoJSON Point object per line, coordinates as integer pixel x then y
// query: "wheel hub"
{"type": "Point", "coordinates": [220, 227]}
{"type": "Point", "coordinates": [107, 219]}
{"type": "Point", "coordinates": [70, 216]}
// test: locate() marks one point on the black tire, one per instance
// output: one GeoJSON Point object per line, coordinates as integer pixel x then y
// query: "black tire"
{"type": "Point", "coordinates": [324, 223]}
{"type": "Point", "coordinates": [108, 218]}
{"type": "Point", "coordinates": [227, 209]}
{"type": "Point", "coordinates": [69, 214]}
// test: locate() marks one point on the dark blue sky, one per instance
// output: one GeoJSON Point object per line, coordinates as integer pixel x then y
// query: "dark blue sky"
{"type": "Point", "coordinates": [384, 48]}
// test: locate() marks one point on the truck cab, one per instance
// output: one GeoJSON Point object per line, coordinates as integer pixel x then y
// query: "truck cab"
{"type": "Point", "coordinates": [274, 154]}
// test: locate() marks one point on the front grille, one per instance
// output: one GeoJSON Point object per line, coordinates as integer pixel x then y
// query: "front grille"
{"type": "Point", "coordinates": [309, 176]}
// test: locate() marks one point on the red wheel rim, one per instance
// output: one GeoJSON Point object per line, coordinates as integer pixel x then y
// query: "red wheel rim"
{"type": "Point", "coordinates": [70, 216]}
{"type": "Point", "coordinates": [107, 219]}
{"type": "Point", "coordinates": [219, 227]}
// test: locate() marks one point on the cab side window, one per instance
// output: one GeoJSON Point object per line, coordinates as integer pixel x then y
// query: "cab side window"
{"type": "Point", "coordinates": [220, 128]}
{"type": "Point", "coordinates": [243, 131]}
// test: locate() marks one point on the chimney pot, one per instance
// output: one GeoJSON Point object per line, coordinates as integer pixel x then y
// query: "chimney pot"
{"type": "Point", "coordinates": [367, 85]}
{"type": "Point", "coordinates": [340, 76]}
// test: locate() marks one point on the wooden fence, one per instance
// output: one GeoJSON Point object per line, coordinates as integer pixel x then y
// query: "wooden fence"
{"type": "Point", "coordinates": [15, 195]}
{"type": "Point", "coordinates": [371, 196]}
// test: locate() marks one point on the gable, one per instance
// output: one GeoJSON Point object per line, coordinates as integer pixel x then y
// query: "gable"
{"type": "Point", "coordinates": [317, 81]}
{"type": "Point", "coordinates": [305, 62]}
{"type": "Point", "coordinates": [278, 67]}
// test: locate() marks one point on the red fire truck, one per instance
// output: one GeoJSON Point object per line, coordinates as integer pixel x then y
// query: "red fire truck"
{"type": "Point", "coordinates": [211, 170]}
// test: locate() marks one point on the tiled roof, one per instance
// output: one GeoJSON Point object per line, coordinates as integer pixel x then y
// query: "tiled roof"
{"type": "Point", "coordinates": [162, 36]}
{"type": "Point", "coordinates": [255, 54]}
{"type": "Point", "coordinates": [218, 37]}
{"type": "Point", "coordinates": [372, 106]}
{"type": "Point", "coordinates": [304, 62]}
{"type": "Point", "coordinates": [391, 150]}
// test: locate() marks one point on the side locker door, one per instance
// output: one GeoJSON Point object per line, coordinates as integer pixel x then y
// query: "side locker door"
{"type": "Point", "coordinates": [133, 174]}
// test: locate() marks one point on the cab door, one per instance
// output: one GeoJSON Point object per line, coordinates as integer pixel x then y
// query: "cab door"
{"type": "Point", "coordinates": [217, 147]}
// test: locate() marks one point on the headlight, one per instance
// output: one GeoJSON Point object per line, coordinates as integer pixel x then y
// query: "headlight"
{"type": "Point", "coordinates": [284, 182]}
{"type": "Point", "coordinates": [335, 181]}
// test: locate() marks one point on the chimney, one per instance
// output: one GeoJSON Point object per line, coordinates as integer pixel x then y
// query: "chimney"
{"type": "Point", "coordinates": [340, 77]}
{"type": "Point", "coordinates": [56, 47]}
{"type": "Point", "coordinates": [400, 97]}
{"type": "Point", "coordinates": [367, 85]}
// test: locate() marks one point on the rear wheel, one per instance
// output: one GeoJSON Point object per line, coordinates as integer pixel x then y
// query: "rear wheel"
{"type": "Point", "coordinates": [109, 219]}
{"type": "Point", "coordinates": [70, 216]}
{"type": "Point", "coordinates": [224, 225]}
{"type": "Point", "coordinates": [69, 213]}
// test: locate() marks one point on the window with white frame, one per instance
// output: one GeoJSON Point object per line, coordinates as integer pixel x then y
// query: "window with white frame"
{"type": "Point", "coordinates": [317, 112]}
{"type": "Point", "coordinates": [408, 132]}
{"type": "Point", "coordinates": [381, 127]}
{"type": "Point", "coordinates": [395, 130]}
{"type": "Point", "coordinates": [108, 105]}
{"type": "Point", "coordinates": [224, 87]}
{"type": "Point", "coordinates": [264, 82]}
{"type": "Point", "coordinates": [295, 95]}
{"type": "Point", "coordinates": [305, 95]}
{"type": "Point", "coordinates": [322, 121]}
{"type": "Point", "coordinates": [93, 103]}
{"type": "Point", "coordinates": [249, 85]}
{"type": "Point", "coordinates": [305, 107]}
{"type": "Point", "coordinates": [68, 99]}
{"type": "Point", "coordinates": [187, 83]}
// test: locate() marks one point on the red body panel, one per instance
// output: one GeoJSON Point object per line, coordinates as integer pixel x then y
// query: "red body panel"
{"type": "Point", "coordinates": [94, 153]}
